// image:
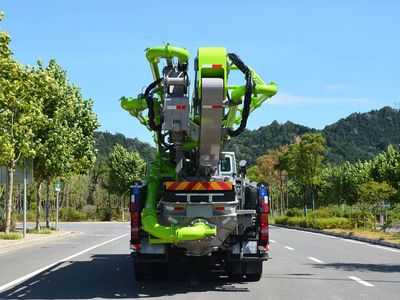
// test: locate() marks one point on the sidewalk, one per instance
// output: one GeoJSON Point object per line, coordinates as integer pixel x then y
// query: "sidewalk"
{"type": "Point", "coordinates": [33, 239]}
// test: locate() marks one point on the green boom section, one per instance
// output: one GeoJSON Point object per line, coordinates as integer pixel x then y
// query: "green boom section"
{"type": "Point", "coordinates": [212, 62]}
{"type": "Point", "coordinates": [154, 54]}
{"type": "Point", "coordinates": [167, 234]}
{"type": "Point", "coordinates": [261, 92]}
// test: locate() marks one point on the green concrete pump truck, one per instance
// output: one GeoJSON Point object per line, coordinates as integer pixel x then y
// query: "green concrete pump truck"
{"type": "Point", "coordinates": [195, 202]}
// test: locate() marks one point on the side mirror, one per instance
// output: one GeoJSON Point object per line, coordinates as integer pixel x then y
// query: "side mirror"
{"type": "Point", "coordinates": [242, 163]}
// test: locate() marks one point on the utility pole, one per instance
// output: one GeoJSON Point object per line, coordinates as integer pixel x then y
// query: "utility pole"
{"type": "Point", "coordinates": [25, 191]}
{"type": "Point", "coordinates": [57, 189]}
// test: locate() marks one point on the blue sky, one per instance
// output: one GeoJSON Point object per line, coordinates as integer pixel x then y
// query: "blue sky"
{"type": "Point", "coordinates": [329, 58]}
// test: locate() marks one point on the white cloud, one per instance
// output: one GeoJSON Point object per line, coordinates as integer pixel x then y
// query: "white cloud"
{"type": "Point", "coordinates": [285, 99]}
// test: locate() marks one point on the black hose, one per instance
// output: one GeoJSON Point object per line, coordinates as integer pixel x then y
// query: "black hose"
{"type": "Point", "coordinates": [148, 94]}
{"type": "Point", "coordinates": [247, 96]}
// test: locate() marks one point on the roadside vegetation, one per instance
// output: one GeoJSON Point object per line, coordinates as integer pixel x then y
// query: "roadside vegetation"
{"type": "Point", "coordinates": [306, 192]}
{"type": "Point", "coordinates": [10, 236]}
{"type": "Point", "coordinates": [44, 118]}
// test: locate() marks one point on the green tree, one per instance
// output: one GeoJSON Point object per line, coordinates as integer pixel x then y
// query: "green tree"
{"type": "Point", "coordinates": [67, 145]}
{"type": "Point", "coordinates": [386, 167]}
{"type": "Point", "coordinates": [20, 115]}
{"type": "Point", "coordinates": [371, 194]}
{"type": "Point", "coordinates": [268, 170]}
{"type": "Point", "coordinates": [124, 168]}
{"type": "Point", "coordinates": [303, 163]}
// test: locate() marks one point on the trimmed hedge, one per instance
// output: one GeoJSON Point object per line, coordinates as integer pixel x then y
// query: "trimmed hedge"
{"type": "Point", "coordinates": [316, 223]}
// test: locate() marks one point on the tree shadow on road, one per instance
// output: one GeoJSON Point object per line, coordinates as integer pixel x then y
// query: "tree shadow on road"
{"type": "Point", "coordinates": [109, 276]}
{"type": "Point", "coordinates": [383, 268]}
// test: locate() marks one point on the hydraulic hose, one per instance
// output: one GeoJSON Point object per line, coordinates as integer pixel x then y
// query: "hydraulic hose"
{"type": "Point", "coordinates": [168, 234]}
{"type": "Point", "coordinates": [148, 94]}
{"type": "Point", "coordinates": [247, 96]}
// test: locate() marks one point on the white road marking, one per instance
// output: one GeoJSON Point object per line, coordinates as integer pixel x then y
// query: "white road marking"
{"type": "Point", "coordinates": [360, 281]}
{"type": "Point", "coordinates": [385, 248]}
{"type": "Point", "coordinates": [289, 248]}
{"type": "Point", "coordinates": [34, 273]}
{"type": "Point", "coordinates": [272, 241]}
{"type": "Point", "coordinates": [316, 260]}
{"type": "Point", "coordinates": [343, 239]}
{"type": "Point", "coordinates": [354, 242]}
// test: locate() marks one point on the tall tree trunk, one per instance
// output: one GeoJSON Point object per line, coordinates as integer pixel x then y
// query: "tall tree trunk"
{"type": "Point", "coordinates": [10, 175]}
{"type": "Point", "coordinates": [305, 201]}
{"type": "Point", "coordinates": [48, 203]}
{"type": "Point", "coordinates": [38, 203]}
{"type": "Point", "coordinates": [92, 189]}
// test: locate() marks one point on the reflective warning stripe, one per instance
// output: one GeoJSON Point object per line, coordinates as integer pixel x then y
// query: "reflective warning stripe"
{"type": "Point", "coordinates": [198, 186]}
{"type": "Point", "coordinates": [212, 66]}
{"type": "Point", "coordinates": [212, 106]}
{"type": "Point", "coordinates": [179, 107]}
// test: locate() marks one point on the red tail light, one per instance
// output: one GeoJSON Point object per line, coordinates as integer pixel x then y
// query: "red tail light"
{"type": "Point", "coordinates": [135, 216]}
{"type": "Point", "coordinates": [264, 234]}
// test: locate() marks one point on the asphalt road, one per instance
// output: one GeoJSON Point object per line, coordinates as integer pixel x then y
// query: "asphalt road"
{"type": "Point", "coordinates": [97, 264]}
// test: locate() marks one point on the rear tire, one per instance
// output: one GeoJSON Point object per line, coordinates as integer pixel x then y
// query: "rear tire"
{"type": "Point", "coordinates": [254, 270]}
{"type": "Point", "coordinates": [146, 271]}
{"type": "Point", "coordinates": [235, 271]}
{"type": "Point", "coordinates": [253, 277]}
{"type": "Point", "coordinates": [141, 271]}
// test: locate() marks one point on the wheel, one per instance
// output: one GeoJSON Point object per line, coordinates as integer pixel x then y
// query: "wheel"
{"type": "Point", "coordinates": [253, 277]}
{"type": "Point", "coordinates": [236, 277]}
{"type": "Point", "coordinates": [141, 271]}
{"type": "Point", "coordinates": [146, 271]}
{"type": "Point", "coordinates": [254, 270]}
{"type": "Point", "coordinates": [235, 271]}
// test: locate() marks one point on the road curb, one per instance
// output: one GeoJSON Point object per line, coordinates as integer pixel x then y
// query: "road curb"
{"type": "Point", "coordinates": [24, 243]}
{"type": "Point", "coordinates": [342, 235]}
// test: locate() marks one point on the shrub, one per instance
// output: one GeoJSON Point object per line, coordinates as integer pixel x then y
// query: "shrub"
{"type": "Point", "coordinates": [393, 220]}
{"type": "Point", "coordinates": [10, 236]}
{"type": "Point", "coordinates": [69, 214]}
{"type": "Point", "coordinates": [90, 211]}
{"type": "Point", "coordinates": [43, 230]}
{"type": "Point", "coordinates": [105, 214]}
{"type": "Point", "coordinates": [294, 212]}
{"type": "Point", "coordinates": [329, 223]}
{"type": "Point", "coordinates": [297, 221]}
{"type": "Point", "coordinates": [358, 220]}
{"type": "Point", "coordinates": [30, 216]}
{"type": "Point", "coordinates": [3, 223]}
{"type": "Point", "coordinates": [326, 212]}
{"type": "Point", "coordinates": [282, 219]}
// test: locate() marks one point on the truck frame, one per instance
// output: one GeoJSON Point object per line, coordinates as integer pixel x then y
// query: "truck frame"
{"type": "Point", "coordinates": [196, 202]}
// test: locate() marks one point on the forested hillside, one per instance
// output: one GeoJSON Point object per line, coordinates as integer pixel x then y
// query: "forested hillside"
{"type": "Point", "coordinates": [254, 143]}
{"type": "Point", "coordinates": [362, 136]}
{"type": "Point", "coordinates": [104, 141]}
{"type": "Point", "coordinates": [359, 136]}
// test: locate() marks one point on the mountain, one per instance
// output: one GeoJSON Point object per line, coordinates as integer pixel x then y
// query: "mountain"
{"type": "Point", "coordinates": [359, 136]}
{"type": "Point", "coordinates": [104, 141]}
{"type": "Point", "coordinates": [362, 135]}
{"type": "Point", "coordinates": [254, 143]}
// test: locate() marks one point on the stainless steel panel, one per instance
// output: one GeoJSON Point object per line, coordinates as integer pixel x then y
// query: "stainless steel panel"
{"type": "Point", "coordinates": [199, 211]}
